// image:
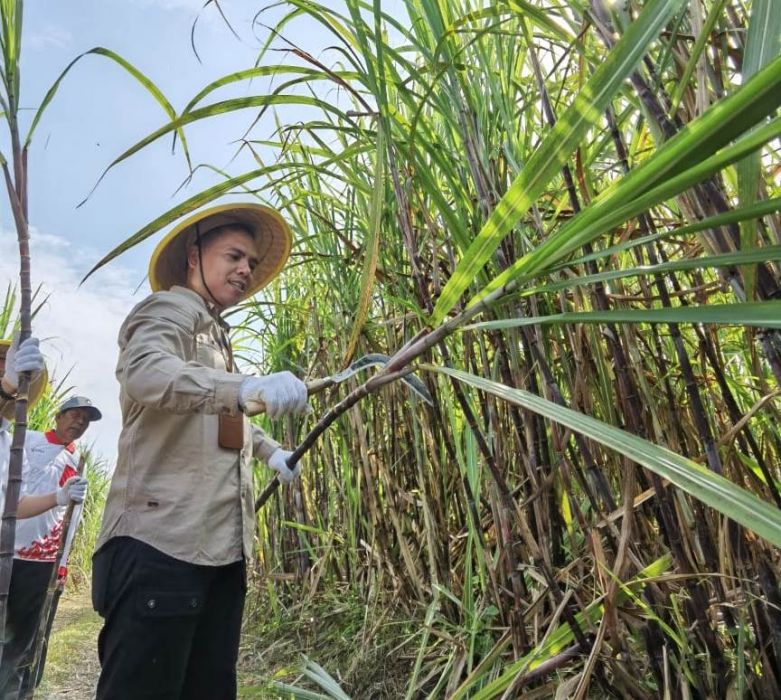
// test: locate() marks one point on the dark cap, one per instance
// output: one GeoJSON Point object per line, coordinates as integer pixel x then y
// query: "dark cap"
{"type": "Point", "coordinates": [81, 402]}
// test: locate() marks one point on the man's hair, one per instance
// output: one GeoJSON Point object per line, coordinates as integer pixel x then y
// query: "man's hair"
{"type": "Point", "coordinates": [202, 240]}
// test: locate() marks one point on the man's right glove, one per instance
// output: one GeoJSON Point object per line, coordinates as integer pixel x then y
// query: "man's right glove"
{"type": "Point", "coordinates": [74, 489]}
{"type": "Point", "coordinates": [22, 358]}
{"type": "Point", "coordinates": [278, 462]}
{"type": "Point", "coordinates": [280, 393]}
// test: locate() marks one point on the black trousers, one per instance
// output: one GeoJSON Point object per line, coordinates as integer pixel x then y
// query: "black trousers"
{"type": "Point", "coordinates": [171, 628]}
{"type": "Point", "coordinates": [26, 598]}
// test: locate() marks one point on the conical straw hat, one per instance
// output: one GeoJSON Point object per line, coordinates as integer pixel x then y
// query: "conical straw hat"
{"type": "Point", "coordinates": [37, 387]}
{"type": "Point", "coordinates": [168, 266]}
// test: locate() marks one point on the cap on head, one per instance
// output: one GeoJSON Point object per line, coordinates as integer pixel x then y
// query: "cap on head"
{"type": "Point", "coordinates": [270, 232]}
{"type": "Point", "coordinates": [81, 402]}
{"type": "Point", "coordinates": [37, 387]}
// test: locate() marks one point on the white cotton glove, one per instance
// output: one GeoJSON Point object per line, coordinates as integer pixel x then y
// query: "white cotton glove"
{"type": "Point", "coordinates": [22, 358]}
{"type": "Point", "coordinates": [278, 394]}
{"type": "Point", "coordinates": [278, 462]}
{"type": "Point", "coordinates": [74, 489]}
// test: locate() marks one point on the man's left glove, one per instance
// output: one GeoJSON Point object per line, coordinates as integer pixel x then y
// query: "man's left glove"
{"type": "Point", "coordinates": [22, 358]}
{"type": "Point", "coordinates": [74, 489]}
{"type": "Point", "coordinates": [278, 462]}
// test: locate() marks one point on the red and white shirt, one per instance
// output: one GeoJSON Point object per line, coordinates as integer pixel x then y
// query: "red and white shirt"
{"type": "Point", "coordinates": [51, 464]}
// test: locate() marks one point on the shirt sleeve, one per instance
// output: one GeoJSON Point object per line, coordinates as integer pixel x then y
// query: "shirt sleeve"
{"type": "Point", "coordinates": [262, 445]}
{"type": "Point", "coordinates": [24, 491]}
{"type": "Point", "coordinates": [154, 339]}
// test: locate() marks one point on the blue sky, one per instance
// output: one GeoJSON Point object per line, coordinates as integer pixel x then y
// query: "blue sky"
{"type": "Point", "coordinates": [98, 112]}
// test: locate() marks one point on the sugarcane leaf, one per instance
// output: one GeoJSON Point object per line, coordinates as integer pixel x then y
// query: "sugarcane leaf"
{"type": "Point", "coordinates": [696, 51]}
{"type": "Point", "coordinates": [753, 211]}
{"type": "Point", "coordinates": [760, 314]}
{"type": "Point", "coordinates": [315, 672]}
{"type": "Point", "coordinates": [371, 249]}
{"type": "Point", "coordinates": [151, 88]}
{"type": "Point", "coordinates": [712, 489]}
{"type": "Point", "coordinates": [742, 257]}
{"type": "Point", "coordinates": [212, 110]}
{"type": "Point", "coordinates": [302, 72]}
{"type": "Point", "coordinates": [560, 638]}
{"type": "Point", "coordinates": [763, 44]}
{"type": "Point", "coordinates": [625, 203]}
{"type": "Point", "coordinates": [180, 210]}
{"type": "Point", "coordinates": [203, 198]}
{"type": "Point", "coordinates": [546, 162]}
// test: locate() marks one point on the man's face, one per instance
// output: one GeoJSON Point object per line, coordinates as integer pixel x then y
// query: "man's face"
{"type": "Point", "coordinates": [71, 424]}
{"type": "Point", "coordinates": [228, 262]}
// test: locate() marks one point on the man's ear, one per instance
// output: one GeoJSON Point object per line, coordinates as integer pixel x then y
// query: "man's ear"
{"type": "Point", "coordinates": [192, 257]}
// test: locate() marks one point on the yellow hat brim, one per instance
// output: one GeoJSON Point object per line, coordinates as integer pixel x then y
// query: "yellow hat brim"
{"type": "Point", "coordinates": [272, 236]}
{"type": "Point", "coordinates": [37, 388]}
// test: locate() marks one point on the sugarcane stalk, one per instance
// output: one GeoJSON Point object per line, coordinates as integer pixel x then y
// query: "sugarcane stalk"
{"type": "Point", "coordinates": [54, 592]}
{"type": "Point", "coordinates": [16, 187]}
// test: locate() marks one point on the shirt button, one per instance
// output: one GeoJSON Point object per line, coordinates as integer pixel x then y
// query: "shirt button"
{"type": "Point", "coordinates": [151, 603]}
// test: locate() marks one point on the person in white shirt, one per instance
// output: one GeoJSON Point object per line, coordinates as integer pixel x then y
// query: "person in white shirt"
{"type": "Point", "coordinates": [42, 496]}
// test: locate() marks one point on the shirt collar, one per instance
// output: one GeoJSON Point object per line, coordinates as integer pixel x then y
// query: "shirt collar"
{"type": "Point", "coordinates": [210, 307]}
{"type": "Point", "coordinates": [51, 436]}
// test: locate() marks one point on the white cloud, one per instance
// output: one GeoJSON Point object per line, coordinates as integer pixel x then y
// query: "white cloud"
{"type": "Point", "coordinates": [78, 326]}
{"type": "Point", "coordinates": [50, 36]}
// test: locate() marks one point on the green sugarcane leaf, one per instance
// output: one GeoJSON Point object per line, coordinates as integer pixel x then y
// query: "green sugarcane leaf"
{"type": "Point", "coordinates": [224, 107]}
{"type": "Point", "coordinates": [760, 314]}
{"type": "Point", "coordinates": [264, 72]}
{"type": "Point", "coordinates": [553, 152]}
{"type": "Point", "coordinates": [763, 44]}
{"type": "Point", "coordinates": [560, 638]}
{"type": "Point", "coordinates": [604, 215]}
{"type": "Point", "coordinates": [761, 208]}
{"type": "Point", "coordinates": [696, 52]}
{"type": "Point", "coordinates": [742, 257]}
{"type": "Point", "coordinates": [190, 205]}
{"type": "Point", "coordinates": [371, 249]}
{"type": "Point", "coordinates": [710, 488]}
{"type": "Point", "coordinates": [151, 88]}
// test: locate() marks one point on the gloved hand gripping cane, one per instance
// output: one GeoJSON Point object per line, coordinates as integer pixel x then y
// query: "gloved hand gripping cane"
{"type": "Point", "coordinates": [257, 405]}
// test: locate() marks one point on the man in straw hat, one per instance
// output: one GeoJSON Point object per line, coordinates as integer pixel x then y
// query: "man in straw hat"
{"type": "Point", "coordinates": [53, 465]}
{"type": "Point", "coordinates": [169, 570]}
{"type": "Point", "coordinates": [23, 613]}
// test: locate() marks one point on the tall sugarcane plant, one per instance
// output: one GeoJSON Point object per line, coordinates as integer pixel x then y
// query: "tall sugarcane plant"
{"type": "Point", "coordinates": [568, 213]}
{"type": "Point", "coordinates": [15, 175]}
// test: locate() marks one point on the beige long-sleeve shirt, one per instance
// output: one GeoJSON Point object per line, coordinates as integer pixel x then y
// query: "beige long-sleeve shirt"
{"type": "Point", "coordinates": [174, 487]}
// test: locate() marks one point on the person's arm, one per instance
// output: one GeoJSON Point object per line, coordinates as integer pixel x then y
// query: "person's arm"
{"type": "Point", "coordinates": [262, 445]}
{"type": "Point", "coordinates": [74, 489]}
{"type": "Point", "coordinates": [155, 338]}
{"type": "Point", "coordinates": [270, 452]}
{"type": "Point", "coordinates": [30, 506]}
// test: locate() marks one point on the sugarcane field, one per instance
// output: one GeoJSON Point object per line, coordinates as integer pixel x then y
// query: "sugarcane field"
{"type": "Point", "coordinates": [390, 350]}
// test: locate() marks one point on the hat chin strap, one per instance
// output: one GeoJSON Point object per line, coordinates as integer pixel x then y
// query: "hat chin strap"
{"type": "Point", "coordinates": [200, 266]}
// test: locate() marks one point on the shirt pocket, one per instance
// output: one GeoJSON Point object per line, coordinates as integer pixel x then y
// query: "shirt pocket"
{"type": "Point", "coordinates": [209, 352]}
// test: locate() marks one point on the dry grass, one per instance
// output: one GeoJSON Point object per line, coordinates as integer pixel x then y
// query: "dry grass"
{"type": "Point", "coordinates": [72, 665]}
